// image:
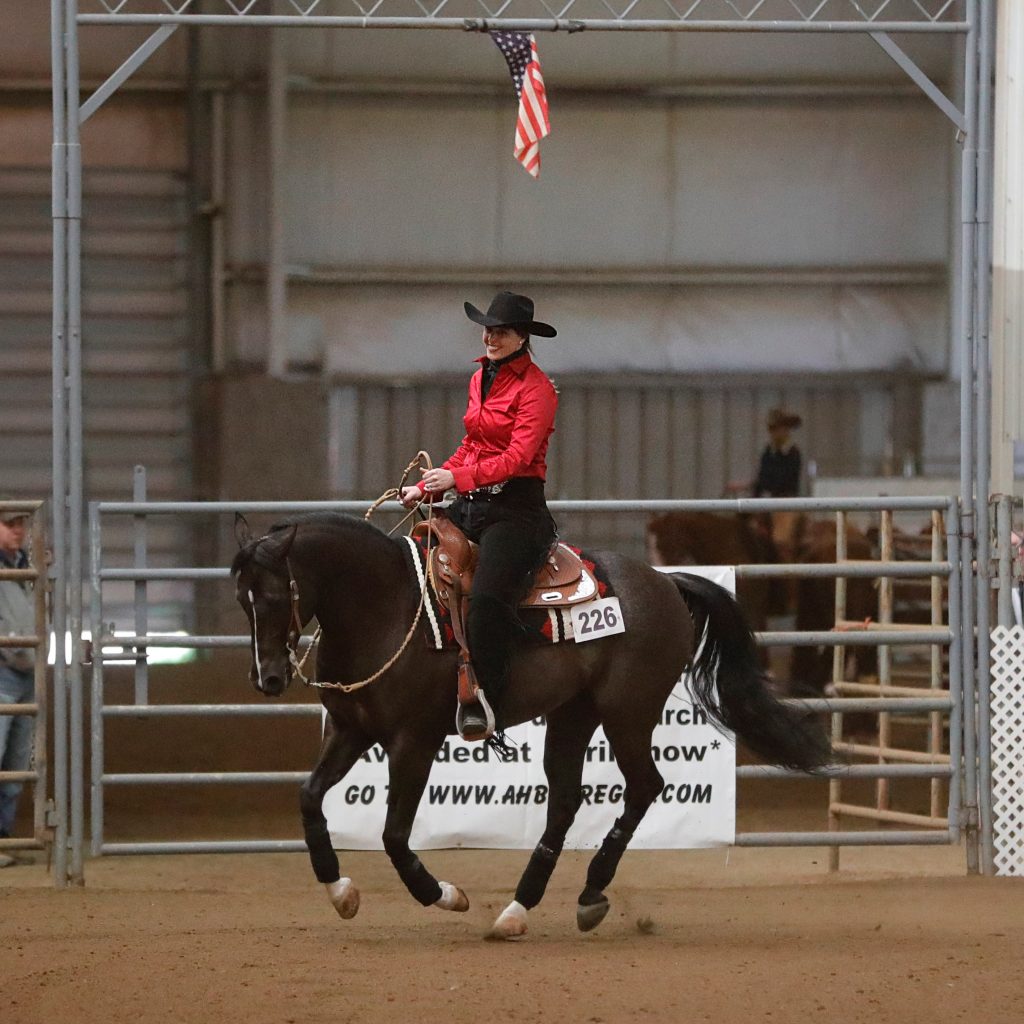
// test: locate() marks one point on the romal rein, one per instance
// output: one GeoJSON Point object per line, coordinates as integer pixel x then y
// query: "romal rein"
{"type": "Point", "coordinates": [296, 619]}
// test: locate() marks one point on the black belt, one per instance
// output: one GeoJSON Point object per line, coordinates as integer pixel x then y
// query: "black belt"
{"type": "Point", "coordinates": [517, 490]}
{"type": "Point", "coordinates": [484, 493]}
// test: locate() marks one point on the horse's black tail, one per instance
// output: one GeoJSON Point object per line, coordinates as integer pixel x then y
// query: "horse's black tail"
{"type": "Point", "coordinates": [779, 733]}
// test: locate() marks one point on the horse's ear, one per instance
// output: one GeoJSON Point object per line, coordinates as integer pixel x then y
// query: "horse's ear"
{"type": "Point", "coordinates": [286, 544]}
{"type": "Point", "coordinates": [281, 546]}
{"type": "Point", "coordinates": [243, 532]}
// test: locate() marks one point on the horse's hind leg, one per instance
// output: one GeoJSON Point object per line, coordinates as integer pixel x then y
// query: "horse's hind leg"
{"type": "Point", "coordinates": [631, 744]}
{"type": "Point", "coordinates": [340, 750]}
{"type": "Point", "coordinates": [569, 730]}
{"type": "Point", "coordinates": [409, 761]}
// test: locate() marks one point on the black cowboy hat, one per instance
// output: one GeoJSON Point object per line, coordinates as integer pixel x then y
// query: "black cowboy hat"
{"type": "Point", "coordinates": [507, 310]}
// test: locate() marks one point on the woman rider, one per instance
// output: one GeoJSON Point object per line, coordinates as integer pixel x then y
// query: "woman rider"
{"type": "Point", "coordinates": [499, 472]}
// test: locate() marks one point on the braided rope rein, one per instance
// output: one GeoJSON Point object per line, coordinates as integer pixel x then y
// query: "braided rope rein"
{"type": "Point", "coordinates": [388, 495]}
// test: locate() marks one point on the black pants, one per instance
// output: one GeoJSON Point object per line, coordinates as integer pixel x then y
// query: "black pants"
{"type": "Point", "coordinates": [515, 531]}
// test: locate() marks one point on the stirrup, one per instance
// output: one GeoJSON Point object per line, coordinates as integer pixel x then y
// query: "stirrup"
{"type": "Point", "coordinates": [475, 728]}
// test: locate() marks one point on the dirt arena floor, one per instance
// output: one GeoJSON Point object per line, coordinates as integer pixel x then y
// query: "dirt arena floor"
{"type": "Point", "coordinates": [731, 937]}
{"type": "Point", "coordinates": [758, 936]}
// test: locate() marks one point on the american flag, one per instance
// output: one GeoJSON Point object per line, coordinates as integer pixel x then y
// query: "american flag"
{"type": "Point", "coordinates": [532, 123]}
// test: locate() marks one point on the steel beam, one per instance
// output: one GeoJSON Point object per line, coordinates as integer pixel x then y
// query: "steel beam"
{"type": "Point", "coordinates": [983, 425]}
{"type": "Point", "coordinates": [735, 505]}
{"type": "Point", "coordinates": [570, 25]}
{"type": "Point", "coordinates": [894, 838]}
{"type": "Point", "coordinates": [125, 71]}
{"type": "Point", "coordinates": [58, 568]}
{"type": "Point", "coordinates": [965, 306]}
{"type": "Point", "coordinates": [927, 86]}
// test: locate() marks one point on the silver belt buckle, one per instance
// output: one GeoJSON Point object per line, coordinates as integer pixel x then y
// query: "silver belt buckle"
{"type": "Point", "coordinates": [481, 492]}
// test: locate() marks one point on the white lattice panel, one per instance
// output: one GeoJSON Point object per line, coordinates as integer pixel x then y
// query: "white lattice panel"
{"type": "Point", "coordinates": [1008, 749]}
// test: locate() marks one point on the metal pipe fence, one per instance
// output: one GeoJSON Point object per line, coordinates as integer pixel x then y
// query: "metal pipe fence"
{"type": "Point", "coordinates": [38, 773]}
{"type": "Point", "coordinates": [969, 314]}
{"type": "Point", "coordinates": [934, 766]}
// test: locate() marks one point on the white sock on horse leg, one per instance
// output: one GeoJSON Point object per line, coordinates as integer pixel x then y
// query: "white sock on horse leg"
{"type": "Point", "coordinates": [511, 922]}
{"type": "Point", "coordinates": [344, 897]}
{"type": "Point", "coordinates": [452, 898]}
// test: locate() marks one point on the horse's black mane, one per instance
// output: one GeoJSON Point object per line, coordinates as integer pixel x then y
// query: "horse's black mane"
{"type": "Point", "coordinates": [324, 519]}
{"type": "Point", "coordinates": [252, 550]}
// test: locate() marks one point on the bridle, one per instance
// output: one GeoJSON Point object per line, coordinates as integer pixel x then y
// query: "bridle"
{"type": "Point", "coordinates": [294, 629]}
{"type": "Point", "coordinates": [295, 624]}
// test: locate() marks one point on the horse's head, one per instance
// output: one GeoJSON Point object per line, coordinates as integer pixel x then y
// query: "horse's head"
{"type": "Point", "coordinates": [267, 592]}
{"type": "Point", "coordinates": [672, 539]}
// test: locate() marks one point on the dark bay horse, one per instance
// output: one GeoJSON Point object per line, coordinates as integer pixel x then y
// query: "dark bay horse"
{"type": "Point", "coordinates": [357, 583]}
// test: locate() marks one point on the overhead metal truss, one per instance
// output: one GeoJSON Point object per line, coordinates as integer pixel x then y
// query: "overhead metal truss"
{"type": "Point", "coordinates": [880, 19]}
{"type": "Point", "coordinates": [548, 15]}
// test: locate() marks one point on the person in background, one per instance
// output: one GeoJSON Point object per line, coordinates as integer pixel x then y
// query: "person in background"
{"type": "Point", "coordinates": [778, 475]}
{"type": "Point", "coordinates": [17, 664]}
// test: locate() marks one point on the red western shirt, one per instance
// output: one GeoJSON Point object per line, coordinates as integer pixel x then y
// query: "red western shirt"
{"type": "Point", "coordinates": [506, 435]}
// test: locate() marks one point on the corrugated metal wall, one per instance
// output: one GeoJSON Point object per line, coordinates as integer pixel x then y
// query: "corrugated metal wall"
{"type": "Point", "coordinates": [137, 358]}
{"type": "Point", "coordinates": [642, 438]}
{"type": "Point", "coordinates": [681, 225]}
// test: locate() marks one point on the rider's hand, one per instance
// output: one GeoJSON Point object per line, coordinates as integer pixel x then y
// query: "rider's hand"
{"type": "Point", "coordinates": [437, 481]}
{"type": "Point", "coordinates": [410, 496]}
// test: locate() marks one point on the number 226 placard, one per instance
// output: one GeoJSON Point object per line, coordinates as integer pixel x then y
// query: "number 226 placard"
{"type": "Point", "coordinates": [594, 619]}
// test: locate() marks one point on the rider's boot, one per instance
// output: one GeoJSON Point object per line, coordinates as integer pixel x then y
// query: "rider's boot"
{"type": "Point", "coordinates": [491, 627]}
{"type": "Point", "coordinates": [476, 721]}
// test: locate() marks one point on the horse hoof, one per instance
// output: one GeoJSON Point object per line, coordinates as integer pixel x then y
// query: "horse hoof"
{"type": "Point", "coordinates": [344, 897]}
{"type": "Point", "coordinates": [511, 923]}
{"type": "Point", "coordinates": [452, 898]}
{"type": "Point", "coordinates": [590, 916]}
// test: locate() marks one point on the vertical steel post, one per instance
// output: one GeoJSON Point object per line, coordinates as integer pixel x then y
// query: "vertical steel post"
{"type": "Point", "coordinates": [218, 246]}
{"type": "Point", "coordinates": [59, 442]}
{"type": "Point", "coordinates": [885, 603]}
{"type": "Point", "coordinates": [277, 284]}
{"type": "Point", "coordinates": [835, 785]}
{"type": "Point", "coordinates": [40, 829]}
{"type": "Point", "coordinates": [957, 788]}
{"type": "Point", "coordinates": [1004, 541]}
{"type": "Point", "coordinates": [97, 630]}
{"type": "Point", "coordinates": [965, 333]}
{"type": "Point", "coordinates": [141, 598]}
{"type": "Point", "coordinates": [983, 429]}
{"type": "Point", "coordinates": [935, 662]}
{"type": "Point", "coordinates": [76, 823]}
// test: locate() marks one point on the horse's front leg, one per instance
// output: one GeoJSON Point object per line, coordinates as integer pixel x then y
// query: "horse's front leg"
{"type": "Point", "coordinates": [409, 761]}
{"type": "Point", "coordinates": [569, 730]}
{"type": "Point", "coordinates": [341, 748]}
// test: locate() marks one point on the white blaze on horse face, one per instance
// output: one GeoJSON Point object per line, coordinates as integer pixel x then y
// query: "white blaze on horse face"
{"type": "Point", "coordinates": [256, 643]}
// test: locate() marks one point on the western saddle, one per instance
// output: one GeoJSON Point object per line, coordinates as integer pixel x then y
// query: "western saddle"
{"type": "Point", "coordinates": [562, 580]}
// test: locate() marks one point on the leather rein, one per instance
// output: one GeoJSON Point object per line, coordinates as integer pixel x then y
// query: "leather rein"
{"type": "Point", "coordinates": [295, 626]}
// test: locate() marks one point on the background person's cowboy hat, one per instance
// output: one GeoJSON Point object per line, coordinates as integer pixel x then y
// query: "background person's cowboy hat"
{"type": "Point", "coordinates": [783, 418]}
{"type": "Point", "coordinates": [510, 310]}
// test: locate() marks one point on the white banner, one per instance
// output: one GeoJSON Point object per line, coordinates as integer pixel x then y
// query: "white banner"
{"type": "Point", "coordinates": [474, 800]}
